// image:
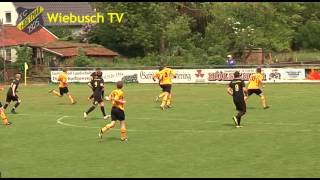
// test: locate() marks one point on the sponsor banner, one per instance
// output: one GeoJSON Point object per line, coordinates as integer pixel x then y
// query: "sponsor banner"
{"type": "Point", "coordinates": [83, 76]}
{"type": "Point", "coordinates": [182, 76]}
{"type": "Point", "coordinates": [312, 74]}
{"type": "Point", "coordinates": [188, 75]}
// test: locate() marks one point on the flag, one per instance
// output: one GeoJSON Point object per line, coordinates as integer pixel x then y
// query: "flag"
{"type": "Point", "coordinates": [25, 73]}
{"type": "Point", "coordinates": [26, 66]}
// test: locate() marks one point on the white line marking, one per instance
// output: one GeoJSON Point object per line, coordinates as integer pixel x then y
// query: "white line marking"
{"type": "Point", "coordinates": [59, 121]}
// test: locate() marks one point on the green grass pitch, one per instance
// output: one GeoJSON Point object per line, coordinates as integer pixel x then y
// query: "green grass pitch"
{"type": "Point", "coordinates": [196, 138]}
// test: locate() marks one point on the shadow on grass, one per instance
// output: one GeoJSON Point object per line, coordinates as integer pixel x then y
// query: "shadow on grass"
{"type": "Point", "coordinates": [231, 124]}
{"type": "Point", "coordinates": [106, 139]}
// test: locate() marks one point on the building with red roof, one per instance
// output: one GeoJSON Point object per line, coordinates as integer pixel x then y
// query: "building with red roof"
{"type": "Point", "coordinates": [11, 37]}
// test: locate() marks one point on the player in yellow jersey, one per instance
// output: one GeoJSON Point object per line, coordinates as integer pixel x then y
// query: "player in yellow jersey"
{"type": "Point", "coordinates": [166, 75]}
{"type": "Point", "coordinates": [156, 76]}
{"type": "Point", "coordinates": [117, 111]}
{"type": "Point", "coordinates": [254, 86]}
{"type": "Point", "coordinates": [63, 86]}
{"type": "Point", "coordinates": [2, 114]}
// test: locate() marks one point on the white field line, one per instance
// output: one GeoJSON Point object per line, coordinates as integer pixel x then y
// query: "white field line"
{"type": "Point", "coordinates": [244, 129]}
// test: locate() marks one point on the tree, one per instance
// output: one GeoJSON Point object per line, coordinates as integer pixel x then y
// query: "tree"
{"type": "Point", "coordinates": [82, 60]}
{"type": "Point", "coordinates": [24, 55]}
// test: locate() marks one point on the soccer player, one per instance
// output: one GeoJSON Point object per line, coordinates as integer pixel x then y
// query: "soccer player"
{"type": "Point", "coordinates": [117, 111]}
{"type": "Point", "coordinates": [156, 76]}
{"type": "Point", "coordinates": [238, 91]}
{"type": "Point", "coordinates": [93, 76]}
{"type": "Point", "coordinates": [166, 75]}
{"type": "Point", "coordinates": [12, 94]}
{"type": "Point", "coordinates": [98, 85]}
{"type": "Point", "coordinates": [63, 86]}
{"type": "Point", "coordinates": [254, 86]}
{"type": "Point", "coordinates": [2, 114]}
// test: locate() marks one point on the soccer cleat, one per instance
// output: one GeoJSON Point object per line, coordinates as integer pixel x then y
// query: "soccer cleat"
{"type": "Point", "coordinates": [74, 102]}
{"type": "Point", "coordinates": [168, 106]}
{"type": "Point", "coordinates": [13, 111]}
{"type": "Point", "coordinates": [267, 107]}
{"type": "Point", "coordinates": [8, 123]}
{"type": "Point", "coordinates": [238, 126]}
{"type": "Point", "coordinates": [235, 120]}
{"type": "Point", "coordinates": [162, 107]}
{"type": "Point", "coordinates": [50, 91]}
{"type": "Point", "coordinates": [124, 139]}
{"type": "Point", "coordinates": [100, 134]}
{"type": "Point", "coordinates": [85, 115]}
{"type": "Point", "coordinates": [107, 117]}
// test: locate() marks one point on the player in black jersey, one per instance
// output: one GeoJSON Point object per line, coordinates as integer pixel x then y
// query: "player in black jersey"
{"type": "Point", "coordinates": [93, 76]}
{"type": "Point", "coordinates": [12, 94]}
{"type": "Point", "coordinates": [98, 86]}
{"type": "Point", "coordinates": [238, 91]}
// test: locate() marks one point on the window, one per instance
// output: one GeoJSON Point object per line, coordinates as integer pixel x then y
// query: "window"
{"type": "Point", "coordinates": [8, 55]}
{"type": "Point", "coordinates": [8, 17]}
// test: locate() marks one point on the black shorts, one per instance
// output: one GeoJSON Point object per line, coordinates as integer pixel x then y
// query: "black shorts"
{"type": "Point", "coordinates": [255, 91]}
{"type": "Point", "coordinates": [97, 98]}
{"type": "Point", "coordinates": [12, 98]}
{"type": "Point", "coordinates": [166, 88]}
{"type": "Point", "coordinates": [161, 86]}
{"type": "Point", "coordinates": [240, 104]}
{"type": "Point", "coordinates": [117, 114]}
{"type": "Point", "coordinates": [63, 90]}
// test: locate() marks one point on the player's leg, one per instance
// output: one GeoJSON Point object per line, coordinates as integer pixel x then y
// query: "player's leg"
{"type": "Point", "coordinates": [107, 128]}
{"type": "Point", "coordinates": [54, 92]}
{"type": "Point", "coordinates": [13, 110]}
{"type": "Point", "coordinates": [263, 100]}
{"type": "Point", "coordinates": [101, 104]}
{"type": "Point", "coordinates": [168, 103]}
{"type": "Point", "coordinates": [242, 109]}
{"type": "Point", "coordinates": [167, 90]}
{"type": "Point", "coordinates": [71, 98]}
{"type": "Point", "coordinates": [85, 114]}
{"type": "Point", "coordinates": [249, 94]}
{"type": "Point", "coordinates": [164, 100]}
{"type": "Point", "coordinates": [8, 100]}
{"type": "Point", "coordinates": [90, 97]}
{"type": "Point", "coordinates": [162, 94]}
{"type": "Point", "coordinates": [123, 130]}
{"type": "Point", "coordinates": [3, 116]}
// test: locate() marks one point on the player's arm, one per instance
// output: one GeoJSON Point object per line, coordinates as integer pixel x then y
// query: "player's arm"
{"type": "Point", "coordinates": [154, 76]}
{"type": "Point", "coordinates": [13, 90]}
{"type": "Point", "coordinates": [174, 73]}
{"type": "Point", "coordinates": [89, 84]}
{"type": "Point", "coordinates": [230, 91]}
{"type": "Point", "coordinates": [245, 91]}
{"type": "Point", "coordinates": [118, 100]}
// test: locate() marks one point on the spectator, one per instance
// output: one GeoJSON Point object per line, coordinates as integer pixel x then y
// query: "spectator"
{"type": "Point", "coordinates": [230, 60]}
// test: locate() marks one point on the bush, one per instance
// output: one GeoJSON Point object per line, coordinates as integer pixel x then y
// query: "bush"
{"type": "Point", "coordinates": [216, 60]}
{"type": "Point", "coordinates": [82, 60]}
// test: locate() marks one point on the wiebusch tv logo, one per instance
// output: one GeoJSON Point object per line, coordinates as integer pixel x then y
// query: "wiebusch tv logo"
{"type": "Point", "coordinates": [30, 20]}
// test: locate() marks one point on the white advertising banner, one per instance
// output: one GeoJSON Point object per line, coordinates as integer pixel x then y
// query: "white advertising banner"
{"type": "Point", "coordinates": [83, 76]}
{"type": "Point", "coordinates": [188, 75]}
